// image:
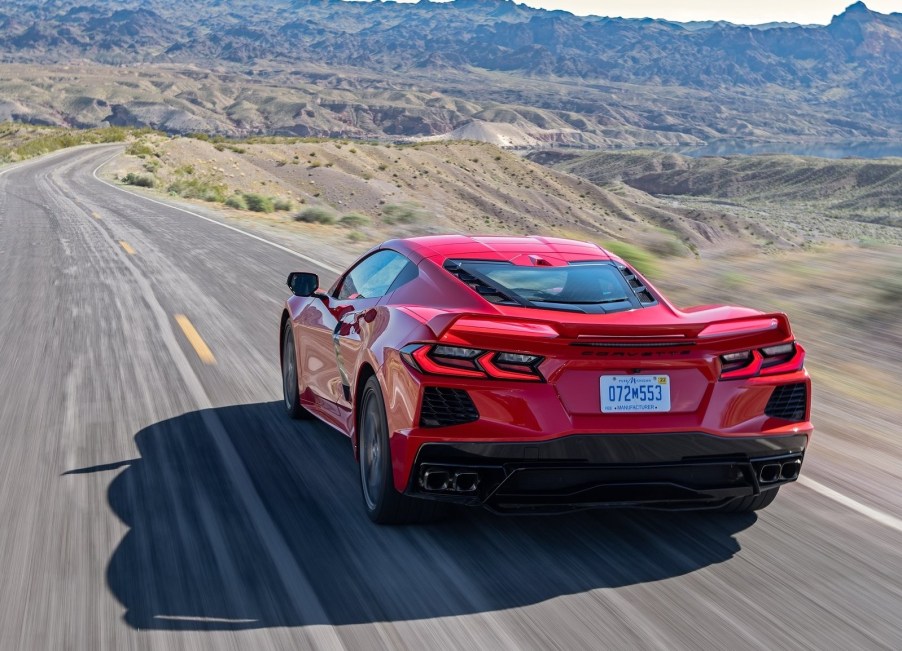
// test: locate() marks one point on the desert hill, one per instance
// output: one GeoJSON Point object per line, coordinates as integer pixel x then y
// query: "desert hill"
{"type": "Point", "coordinates": [865, 190]}
{"type": "Point", "coordinates": [411, 70]}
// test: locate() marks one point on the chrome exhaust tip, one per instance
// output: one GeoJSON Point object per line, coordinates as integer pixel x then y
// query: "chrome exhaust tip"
{"type": "Point", "coordinates": [436, 480]}
{"type": "Point", "coordinates": [790, 470]}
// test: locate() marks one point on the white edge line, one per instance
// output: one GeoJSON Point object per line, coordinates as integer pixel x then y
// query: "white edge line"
{"type": "Point", "coordinates": [322, 265]}
{"type": "Point", "coordinates": [886, 519]}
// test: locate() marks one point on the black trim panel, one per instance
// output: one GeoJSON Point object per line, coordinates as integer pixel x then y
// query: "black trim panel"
{"type": "Point", "coordinates": [617, 448]}
{"type": "Point", "coordinates": [688, 470]}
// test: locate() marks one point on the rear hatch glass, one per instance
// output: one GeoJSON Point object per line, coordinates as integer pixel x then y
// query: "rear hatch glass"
{"type": "Point", "coordinates": [590, 287]}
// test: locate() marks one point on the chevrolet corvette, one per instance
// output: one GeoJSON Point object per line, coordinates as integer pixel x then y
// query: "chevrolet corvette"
{"type": "Point", "coordinates": [541, 375]}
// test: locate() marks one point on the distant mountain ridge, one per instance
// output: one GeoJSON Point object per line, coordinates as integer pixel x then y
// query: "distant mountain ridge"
{"type": "Point", "coordinates": [843, 79]}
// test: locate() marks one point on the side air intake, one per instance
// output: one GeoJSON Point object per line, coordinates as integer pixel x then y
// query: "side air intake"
{"type": "Point", "coordinates": [788, 401]}
{"type": "Point", "coordinates": [477, 284]}
{"type": "Point", "coordinates": [640, 290]}
{"type": "Point", "coordinates": [443, 407]}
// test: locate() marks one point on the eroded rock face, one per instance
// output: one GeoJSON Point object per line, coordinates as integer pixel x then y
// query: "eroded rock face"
{"type": "Point", "coordinates": [159, 116]}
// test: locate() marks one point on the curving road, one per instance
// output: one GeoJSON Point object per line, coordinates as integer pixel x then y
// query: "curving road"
{"type": "Point", "coordinates": [152, 495]}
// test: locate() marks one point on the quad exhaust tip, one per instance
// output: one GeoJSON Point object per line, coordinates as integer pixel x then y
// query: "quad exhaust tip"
{"type": "Point", "coordinates": [442, 479]}
{"type": "Point", "coordinates": [774, 472]}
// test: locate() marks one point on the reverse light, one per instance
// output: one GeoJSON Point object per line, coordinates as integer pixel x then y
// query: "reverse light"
{"type": "Point", "coordinates": [782, 359]}
{"type": "Point", "coordinates": [491, 364]}
{"type": "Point", "coordinates": [515, 358]}
{"type": "Point", "coordinates": [782, 349]}
{"type": "Point", "coordinates": [735, 366]}
{"type": "Point", "coordinates": [458, 361]}
{"type": "Point", "coordinates": [455, 352]}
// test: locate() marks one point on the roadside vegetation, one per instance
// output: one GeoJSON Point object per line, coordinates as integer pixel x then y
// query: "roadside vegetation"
{"type": "Point", "coordinates": [140, 180]}
{"type": "Point", "coordinates": [316, 215]}
{"type": "Point", "coordinates": [191, 181]}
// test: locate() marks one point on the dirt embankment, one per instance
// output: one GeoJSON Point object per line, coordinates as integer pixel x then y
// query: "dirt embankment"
{"type": "Point", "coordinates": [391, 190]}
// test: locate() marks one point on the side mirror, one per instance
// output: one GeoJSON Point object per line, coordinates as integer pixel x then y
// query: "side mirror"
{"type": "Point", "coordinates": [302, 283]}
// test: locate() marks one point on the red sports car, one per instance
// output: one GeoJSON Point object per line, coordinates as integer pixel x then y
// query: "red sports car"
{"type": "Point", "coordinates": [532, 374]}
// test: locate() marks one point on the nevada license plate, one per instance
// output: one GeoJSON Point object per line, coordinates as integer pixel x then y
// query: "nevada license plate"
{"type": "Point", "coordinates": [634, 393]}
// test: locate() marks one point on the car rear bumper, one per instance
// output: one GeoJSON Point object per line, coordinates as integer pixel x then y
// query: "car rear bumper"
{"type": "Point", "coordinates": [690, 470]}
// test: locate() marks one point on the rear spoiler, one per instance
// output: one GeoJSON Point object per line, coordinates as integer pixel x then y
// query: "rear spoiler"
{"type": "Point", "coordinates": [775, 323]}
{"type": "Point", "coordinates": [504, 332]}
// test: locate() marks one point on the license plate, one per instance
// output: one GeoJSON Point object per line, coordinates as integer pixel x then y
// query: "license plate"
{"type": "Point", "coordinates": [625, 394]}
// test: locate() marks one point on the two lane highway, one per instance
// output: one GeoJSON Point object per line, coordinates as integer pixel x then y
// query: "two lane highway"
{"type": "Point", "coordinates": [153, 495]}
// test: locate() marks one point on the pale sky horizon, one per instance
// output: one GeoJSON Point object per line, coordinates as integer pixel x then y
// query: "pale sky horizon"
{"type": "Point", "coordinates": [742, 11]}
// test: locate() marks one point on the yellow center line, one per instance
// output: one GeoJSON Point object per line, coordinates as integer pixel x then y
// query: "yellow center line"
{"type": "Point", "coordinates": [200, 347]}
{"type": "Point", "coordinates": [127, 247]}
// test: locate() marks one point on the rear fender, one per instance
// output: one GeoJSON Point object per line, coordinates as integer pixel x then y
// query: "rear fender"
{"type": "Point", "coordinates": [383, 331]}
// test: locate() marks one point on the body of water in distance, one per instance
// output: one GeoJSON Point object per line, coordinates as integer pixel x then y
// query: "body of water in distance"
{"type": "Point", "coordinates": [820, 149]}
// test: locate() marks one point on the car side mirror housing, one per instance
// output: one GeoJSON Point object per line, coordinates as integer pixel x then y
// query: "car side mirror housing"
{"type": "Point", "coordinates": [302, 283]}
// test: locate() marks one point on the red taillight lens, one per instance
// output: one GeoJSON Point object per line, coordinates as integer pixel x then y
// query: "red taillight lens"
{"type": "Point", "coordinates": [734, 367]}
{"type": "Point", "coordinates": [772, 360]}
{"type": "Point", "coordinates": [492, 364]}
{"type": "Point", "coordinates": [458, 366]}
{"type": "Point", "coordinates": [457, 361]}
{"type": "Point", "coordinates": [790, 357]}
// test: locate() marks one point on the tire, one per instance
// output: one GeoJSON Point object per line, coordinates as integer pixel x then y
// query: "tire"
{"type": "Point", "coordinates": [290, 391]}
{"type": "Point", "coordinates": [384, 504]}
{"type": "Point", "coordinates": [750, 503]}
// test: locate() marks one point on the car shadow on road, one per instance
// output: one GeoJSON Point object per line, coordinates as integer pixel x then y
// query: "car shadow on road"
{"type": "Point", "coordinates": [194, 559]}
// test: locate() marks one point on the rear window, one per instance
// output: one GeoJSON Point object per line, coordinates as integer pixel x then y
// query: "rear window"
{"type": "Point", "coordinates": [594, 287]}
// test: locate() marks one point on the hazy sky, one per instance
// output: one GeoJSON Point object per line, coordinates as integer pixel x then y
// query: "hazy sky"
{"type": "Point", "coordinates": [736, 11]}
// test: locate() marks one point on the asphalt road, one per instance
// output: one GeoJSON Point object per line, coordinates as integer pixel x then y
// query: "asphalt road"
{"type": "Point", "coordinates": [153, 495]}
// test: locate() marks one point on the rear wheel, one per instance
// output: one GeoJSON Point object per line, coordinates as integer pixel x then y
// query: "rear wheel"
{"type": "Point", "coordinates": [750, 503]}
{"type": "Point", "coordinates": [382, 502]}
{"type": "Point", "coordinates": [290, 391]}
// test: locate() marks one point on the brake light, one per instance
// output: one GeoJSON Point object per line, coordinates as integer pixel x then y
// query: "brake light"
{"type": "Point", "coordinates": [488, 362]}
{"type": "Point", "coordinates": [740, 367]}
{"type": "Point", "coordinates": [771, 360]}
{"type": "Point", "coordinates": [445, 365]}
{"type": "Point", "coordinates": [458, 361]}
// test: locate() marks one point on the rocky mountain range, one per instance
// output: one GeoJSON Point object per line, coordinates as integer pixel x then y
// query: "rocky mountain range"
{"type": "Point", "coordinates": [510, 73]}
